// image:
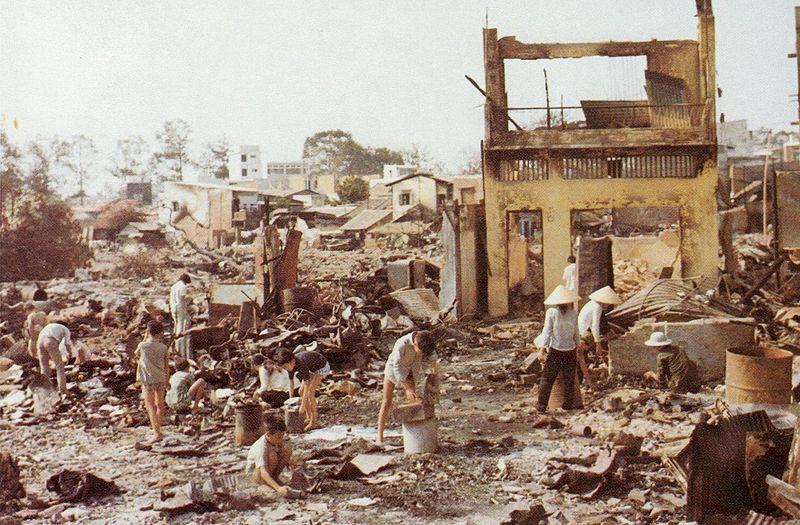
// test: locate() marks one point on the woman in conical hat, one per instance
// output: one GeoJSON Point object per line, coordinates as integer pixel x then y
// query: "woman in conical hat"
{"type": "Point", "coordinates": [591, 319]}
{"type": "Point", "coordinates": [560, 336]}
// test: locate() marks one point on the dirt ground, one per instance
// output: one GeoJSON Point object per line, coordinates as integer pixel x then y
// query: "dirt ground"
{"type": "Point", "coordinates": [497, 453]}
{"type": "Point", "coordinates": [491, 461]}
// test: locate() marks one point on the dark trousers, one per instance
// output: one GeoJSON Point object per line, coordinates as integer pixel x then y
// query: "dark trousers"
{"type": "Point", "coordinates": [558, 361]}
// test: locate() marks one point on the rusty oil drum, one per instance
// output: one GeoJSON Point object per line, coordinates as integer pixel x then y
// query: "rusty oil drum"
{"type": "Point", "coordinates": [758, 374]}
{"type": "Point", "coordinates": [298, 297]}
{"type": "Point", "coordinates": [249, 424]}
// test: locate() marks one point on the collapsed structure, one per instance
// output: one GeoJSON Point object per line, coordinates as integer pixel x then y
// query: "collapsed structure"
{"type": "Point", "coordinates": [628, 153]}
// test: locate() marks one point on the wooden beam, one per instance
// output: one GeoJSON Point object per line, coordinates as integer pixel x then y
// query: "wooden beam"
{"type": "Point", "coordinates": [511, 48]}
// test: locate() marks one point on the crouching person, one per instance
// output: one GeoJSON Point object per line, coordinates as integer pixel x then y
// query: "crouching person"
{"type": "Point", "coordinates": [184, 392]}
{"type": "Point", "coordinates": [269, 456]}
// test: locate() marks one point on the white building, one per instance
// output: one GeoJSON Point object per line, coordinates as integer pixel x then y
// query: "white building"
{"type": "Point", "coordinates": [397, 171]}
{"type": "Point", "coordinates": [249, 164]}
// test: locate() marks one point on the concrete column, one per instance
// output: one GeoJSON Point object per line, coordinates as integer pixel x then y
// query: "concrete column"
{"type": "Point", "coordinates": [556, 226]}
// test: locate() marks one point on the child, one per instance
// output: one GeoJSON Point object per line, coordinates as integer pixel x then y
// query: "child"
{"type": "Point", "coordinates": [403, 369]}
{"type": "Point", "coordinates": [270, 455]}
{"type": "Point", "coordinates": [152, 372]}
{"type": "Point", "coordinates": [34, 322]}
{"type": "Point", "coordinates": [275, 384]}
{"type": "Point", "coordinates": [309, 367]}
{"type": "Point", "coordinates": [184, 390]}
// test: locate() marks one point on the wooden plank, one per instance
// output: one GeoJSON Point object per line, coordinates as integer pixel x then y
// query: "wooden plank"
{"type": "Point", "coordinates": [511, 48]}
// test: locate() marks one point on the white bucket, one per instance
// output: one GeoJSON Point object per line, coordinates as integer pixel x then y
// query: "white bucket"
{"type": "Point", "coordinates": [421, 438]}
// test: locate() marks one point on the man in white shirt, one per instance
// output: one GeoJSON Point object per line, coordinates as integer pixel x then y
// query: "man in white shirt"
{"type": "Point", "coordinates": [47, 346]}
{"type": "Point", "coordinates": [570, 275]}
{"type": "Point", "coordinates": [179, 309]}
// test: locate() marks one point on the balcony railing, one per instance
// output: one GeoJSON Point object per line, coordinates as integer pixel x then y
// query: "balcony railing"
{"type": "Point", "coordinates": [608, 114]}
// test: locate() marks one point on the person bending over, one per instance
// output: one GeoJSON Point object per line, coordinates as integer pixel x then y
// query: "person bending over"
{"type": "Point", "coordinates": [309, 367]}
{"type": "Point", "coordinates": [404, 369]}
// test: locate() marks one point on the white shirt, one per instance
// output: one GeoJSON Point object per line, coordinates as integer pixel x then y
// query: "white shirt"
{"type": "Point", "coordinates": [177, 297]}
{"type": "Point", "coordinates": [589, 319]}
{"type": "Point", "coordinates": [274, 379]}
{"type": "Point", "coordinates": [255, 456]}
{"type": "Point", "coordinates": [569, 277]}
{"type": "Point", "coordinates": [560, 330]}
{"type": "Point", "coordinates": [55, 331]}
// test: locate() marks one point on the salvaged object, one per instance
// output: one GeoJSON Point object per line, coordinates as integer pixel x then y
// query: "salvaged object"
{"type": "Point", "coordinates": [758, 374]}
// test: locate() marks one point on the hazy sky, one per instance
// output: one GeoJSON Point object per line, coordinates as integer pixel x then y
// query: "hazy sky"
{"type": "Point", "coordinates": [272, 73]}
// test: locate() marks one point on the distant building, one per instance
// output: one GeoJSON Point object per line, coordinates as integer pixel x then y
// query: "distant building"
{"type": "Point", "coordinates": [250, 163]}
{"type": "Point", "coordinates": [279, 174]}
{"type": "Point", "coordinates": [139, 189]}
{"type": "Point", "coordinates": [397, 171]}
{"type": "Point", "coordinates": [420, 190]}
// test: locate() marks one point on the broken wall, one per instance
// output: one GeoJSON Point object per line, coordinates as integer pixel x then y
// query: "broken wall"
{"type": "Point", "coordinates": [656, 251]}
{"type": "Point", "coordinates": [557, 197]}
{"type": "Point", "coordinates": [705, 342]}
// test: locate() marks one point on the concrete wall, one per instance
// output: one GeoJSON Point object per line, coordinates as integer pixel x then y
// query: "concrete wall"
{"type": "Point", "coordinates": [422, 191]}
{"type": "Point", "coordinates": [705, 342]}
{"type": "Point", "coordinates": [204, 214]}
{"type": "Point", "coordinates": [556, 197]}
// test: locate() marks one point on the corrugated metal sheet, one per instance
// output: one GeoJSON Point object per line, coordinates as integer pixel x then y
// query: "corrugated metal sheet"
{"type": "Point", "coordinates": [713, 464]}
{"type": "Point", "coordinates": [664, 296]}
{"type": "Point", "coordinates": [366, 220]}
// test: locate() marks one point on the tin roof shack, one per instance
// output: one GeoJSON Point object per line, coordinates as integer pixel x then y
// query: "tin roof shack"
{"type": "Point", "coordinates": [663, 157]}
{"type": "Point", "coordinates": [421, 189]}
{"type": "Point", "coordinates": [113, 217]}
{"type": "Point", "coordinates": [213, 215]}
{"type": "Point", "coordinates": [147, 233]}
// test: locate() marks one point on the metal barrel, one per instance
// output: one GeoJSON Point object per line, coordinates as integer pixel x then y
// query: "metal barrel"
{"type": "Point", "coordinates": [249, 424]}
{"type": "Point", "coordinates": [298, 297]}
{"type": "Point", "coordinates": [758, 374]}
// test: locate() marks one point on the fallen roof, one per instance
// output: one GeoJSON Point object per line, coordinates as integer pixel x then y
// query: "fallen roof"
{"type": "Point", "coordinates": [366, 220]}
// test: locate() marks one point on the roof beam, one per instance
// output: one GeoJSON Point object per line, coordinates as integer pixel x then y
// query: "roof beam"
{"type": "Point", "coordinates": [511, 48]}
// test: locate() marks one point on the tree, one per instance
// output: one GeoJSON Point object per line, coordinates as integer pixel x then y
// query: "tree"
{"type": "Point", "coordinates": [328, 152]}
{"type": "Point", "coordinates": [215, 159]}
{"type": "Point", "coordinates": [38, 180]}
{"type": "Point", "coordinates": [335, 151]}
{"type": "Point", "coordinates": [41, 221]}
{"type": "Point", "coordinates": [173, 155]}
{"type": "Point", "coordinates": [471, 162]}
{"type": "Point", "coordinates": [76, 155]}
{"type": "Point", "coordinates": [11, 177]}
{"type": "Point", "coordinates": [420, 157]}
{"type": "Point", "coordinates": [352, 189]}
{"type": "Point", "coordinates": [130, 159]}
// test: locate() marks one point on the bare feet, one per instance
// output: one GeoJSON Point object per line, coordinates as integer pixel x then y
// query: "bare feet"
{"type": "Point", "coordinates": [311, 426]}
{"type": "Point", "coordinates": [155, 439]}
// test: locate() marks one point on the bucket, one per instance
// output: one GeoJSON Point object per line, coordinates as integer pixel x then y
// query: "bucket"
{"type": "Point", "coordinates": [758, 374]}
{"type": "Point", "coordinates": [249, 424]}
{"type": "Point", "coordinates": [557, 394]}
{"type": "Point", "coordinates": [422, 437]}
{"type": "Point", "coordinates": [298, 297]}
{"type": "Point", "coordinates": [295, 421]}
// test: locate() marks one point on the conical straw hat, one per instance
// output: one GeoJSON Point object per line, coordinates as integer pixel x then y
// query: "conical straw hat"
{"type": "Point", "coordinates": [605, 295]}
{"type": "Point", "coordinates": [561, 295]}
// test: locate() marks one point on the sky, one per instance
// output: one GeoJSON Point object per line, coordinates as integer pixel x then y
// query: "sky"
{"type": "Point", "coordinates": [392, 73]}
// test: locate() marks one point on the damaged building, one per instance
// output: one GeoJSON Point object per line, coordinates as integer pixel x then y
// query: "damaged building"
{"type": "Point", "coordinates": [658, 152]}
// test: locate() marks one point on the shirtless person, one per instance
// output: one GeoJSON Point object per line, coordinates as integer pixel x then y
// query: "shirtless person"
{"type": "Point", "coordinates": [270, 455]}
